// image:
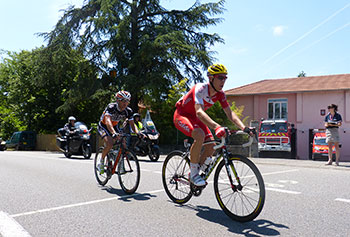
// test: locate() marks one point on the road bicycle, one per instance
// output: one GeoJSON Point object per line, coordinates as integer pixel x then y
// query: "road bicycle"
{"type": "Point", "coordinates": [238, 185]}
{"type": "Point", "coordinates": [122, 162]}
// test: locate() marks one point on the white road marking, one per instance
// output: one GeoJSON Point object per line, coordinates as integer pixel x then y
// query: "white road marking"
{"type": "Point", "coordinates": [152, 171]}
{"type": "Point", "coordinates": [81, 204]}
{"type": "Point", "coordinates": [342, 200]}
{"type": "Point", "coordinates": [10, 228]}
{"type": "Point", "coordinates": [273, 185]}
{"type": "Point", "coordinates": [280, 172]}
{"type": "Point", "coordinates": [283, 191]}
{"type": "Point", "coordinates": [288, 181]}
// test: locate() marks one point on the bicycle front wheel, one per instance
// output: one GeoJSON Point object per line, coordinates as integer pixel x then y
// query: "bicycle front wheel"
{"type": "Point", "coordinates": [175, 176]}
{"type": "Point", "coordinates": [129, 172]}
{"type": "Point", "coordinates": [245, 199]}
{"type": "Point", "coordinates": [101, 176]}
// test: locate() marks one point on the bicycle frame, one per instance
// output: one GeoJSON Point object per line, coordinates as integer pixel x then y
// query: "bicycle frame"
{"type": "Point", "coordinates": [116, 159]}
{"type": "Point", "coordinates": [234, 176]}
{"type": "Point", "coordinates": [223, 153]}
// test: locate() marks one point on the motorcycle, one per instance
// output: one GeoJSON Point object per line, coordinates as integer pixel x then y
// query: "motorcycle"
{"type": "Point", "coordinates": [147, 142]}
{"type": "Point", "coordinates": [79, 141]}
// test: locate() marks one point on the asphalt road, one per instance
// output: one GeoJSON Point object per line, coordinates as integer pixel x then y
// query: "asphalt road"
{"type": "Point", "coordinates": [46, 194]}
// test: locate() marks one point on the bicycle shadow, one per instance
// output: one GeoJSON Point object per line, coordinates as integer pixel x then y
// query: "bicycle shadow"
{"type": "Point", "coordinates": [128, 197]}
{"type": "Point", "coordinates": [258, 227]}
{"type": "Point", "coordinates": [143, 159]}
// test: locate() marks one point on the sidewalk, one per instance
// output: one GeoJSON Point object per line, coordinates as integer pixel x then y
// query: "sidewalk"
{"type": "Point", "coordinates": [301, 163]}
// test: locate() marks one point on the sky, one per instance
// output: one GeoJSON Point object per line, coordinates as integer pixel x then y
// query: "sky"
{"type": "Point", "coordinates": [268, 39]}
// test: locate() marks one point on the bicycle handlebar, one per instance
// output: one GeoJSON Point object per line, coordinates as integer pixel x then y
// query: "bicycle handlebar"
{"type": "Point", "coordinates": [222, 143]}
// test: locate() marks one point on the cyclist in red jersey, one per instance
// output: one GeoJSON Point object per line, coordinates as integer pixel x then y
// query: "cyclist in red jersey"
{"type": "Point", "coordinates": [192, 120]}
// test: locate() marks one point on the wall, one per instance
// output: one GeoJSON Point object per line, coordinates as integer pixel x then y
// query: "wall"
{"type": "Point", "coordinates": [47, 142]}
{"type": "Point", "coordinates": [304, 112]}
{"type": "Point", "coordinates": [255, 106]}
{"type": "Point", "coordinates": [309, 117]}
{"type": "Point", "coordinates": [247, 102]}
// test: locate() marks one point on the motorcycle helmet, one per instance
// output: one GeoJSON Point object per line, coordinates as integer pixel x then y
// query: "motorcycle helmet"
{"type": "Point", "coordinates": [71, 118]}
{"type": "Point", "coordinates": [136, 115]}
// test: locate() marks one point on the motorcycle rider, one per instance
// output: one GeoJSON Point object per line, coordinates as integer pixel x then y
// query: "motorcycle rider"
{"type": "Point", "coordinates": [138, 123]}
{"type": "Point", "coordinates": [69, 129]}
{"type": "Point", "coordinates": [108, 126]}
{"type": "Point", "coordinates": [137, 134]}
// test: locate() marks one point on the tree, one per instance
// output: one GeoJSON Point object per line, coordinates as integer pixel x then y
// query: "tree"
{"type": "Point", "coordinates": [164, 122]}
{"type": "Point", "coordinates": [302, 74]}
{"type": "Point", "coordinates": [41, 88]}
{"type": "Point", "coordinates": [148, 46]}
{"type": "Point", "coordinates": [165, 112]}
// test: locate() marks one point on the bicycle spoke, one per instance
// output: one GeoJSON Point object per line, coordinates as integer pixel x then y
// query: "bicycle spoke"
{"type": "Point", "coordinates": [175, 169]}
{"type": "Point", "coordinates": [244, 201]}
{"type": "Point", "coordinates": [129, 173]}
{"type": "Point", "coordinates": [101, 177]}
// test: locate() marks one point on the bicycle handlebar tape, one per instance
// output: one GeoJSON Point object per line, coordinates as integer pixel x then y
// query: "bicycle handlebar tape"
{"type": "Point", "coordinates": [220, 132]}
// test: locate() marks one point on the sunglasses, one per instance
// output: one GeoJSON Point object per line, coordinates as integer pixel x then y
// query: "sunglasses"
{"type": "Point", "coordinates": [221, 78]}
{"type": "Point", "coordinates": [125, 100]}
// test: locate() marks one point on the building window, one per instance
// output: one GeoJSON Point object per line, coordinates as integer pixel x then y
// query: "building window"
{"type": "Point", "coordinates": [277, 108]}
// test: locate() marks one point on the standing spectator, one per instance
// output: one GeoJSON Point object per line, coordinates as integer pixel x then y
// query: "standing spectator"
{"type": "Point", "coordinates": [333, 121]}
{"type": "Point", "coordinates": [293, 141]}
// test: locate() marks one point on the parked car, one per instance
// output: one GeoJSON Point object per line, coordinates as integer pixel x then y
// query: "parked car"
{"type": "Point", "coordinates": [319, 146]}
{"type": "Point", "coordinates": [2, 145]}
{"type": "Point", "coordinates": [23, 140]}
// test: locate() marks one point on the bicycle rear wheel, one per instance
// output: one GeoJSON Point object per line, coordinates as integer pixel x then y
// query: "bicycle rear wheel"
{"type": "Point", "coordinates": [103, 178]}
{"type": "Point", "coordinates": [176, 169]}
{"type": "Point", "coordinates": [129, 172]}
{"type": "Point", "coordinates": [244, 201]}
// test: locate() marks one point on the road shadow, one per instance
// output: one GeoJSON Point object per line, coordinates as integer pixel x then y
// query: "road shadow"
{"type": "Point", "coordinates": [347, 165]}
{"type": "Point", "coordinates": [145, 159]}
{"type": "Point", "coordinates": [127, 198]}
{"type": "Point", "coordinates": [258, 227]}
{"type": "Point", "coordinates": [74, 157]}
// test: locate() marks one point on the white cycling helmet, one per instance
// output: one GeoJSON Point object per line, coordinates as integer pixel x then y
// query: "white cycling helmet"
{"type": "Point", "coordinates": [123, 95]}
{"type": "Point", "coordinates": [71, 118]}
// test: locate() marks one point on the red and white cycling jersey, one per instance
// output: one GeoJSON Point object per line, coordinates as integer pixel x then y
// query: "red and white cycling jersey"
{"type": "Point", "coordinates": [185, 118]}
{"type": "Point", "coordinates": [199, 94]}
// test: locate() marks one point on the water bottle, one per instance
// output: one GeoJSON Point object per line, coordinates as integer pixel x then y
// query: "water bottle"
{"type": "Point", "coordinates": [206, 164]}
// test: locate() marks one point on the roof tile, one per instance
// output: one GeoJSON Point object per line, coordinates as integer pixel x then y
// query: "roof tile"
{"type": "Point", "coordinates": [292, 85]}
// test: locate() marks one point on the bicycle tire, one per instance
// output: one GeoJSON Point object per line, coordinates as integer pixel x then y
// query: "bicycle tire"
{"type": "Point", "coordinates": [154, 154]}
{"type": "Point", "coordinates": [87, 151]}
{"type": "Point", "coordinates": [129, 177]}
{"type": "Point", "coordinates": [175, 179]}
{"type": "Point", "coordinates": [243, 204]}
{"type": "Point", "coordinates": [102, 179]}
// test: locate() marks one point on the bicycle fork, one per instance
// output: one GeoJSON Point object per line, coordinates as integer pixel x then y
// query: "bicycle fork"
{"type": "Point", "coordinates": [230, 166]}
{"type": "Point", "coordinates": [180, 178]}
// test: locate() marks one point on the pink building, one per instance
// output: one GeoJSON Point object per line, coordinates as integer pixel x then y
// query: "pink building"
{"type": "Point", "coordinates": [302, 101]}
